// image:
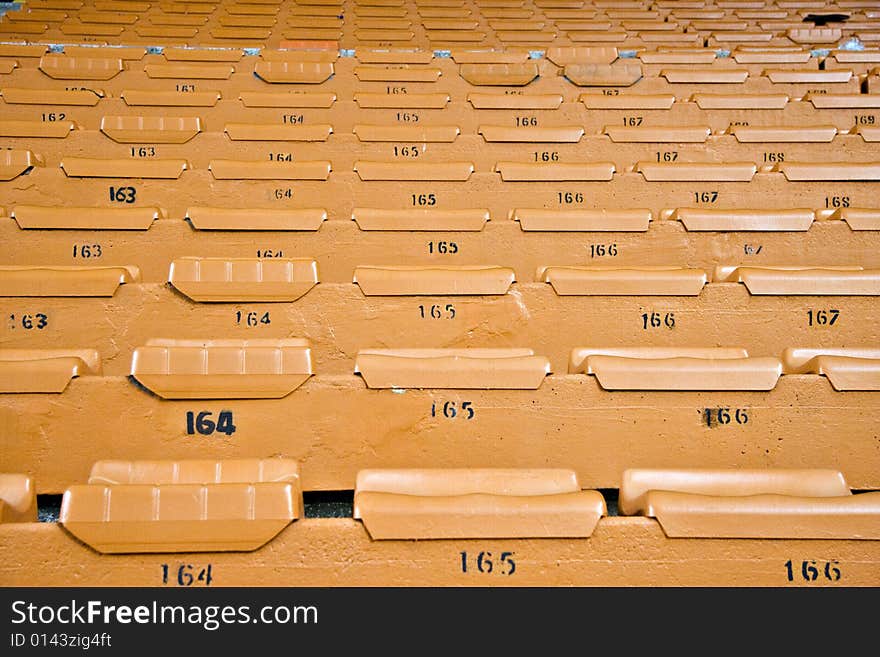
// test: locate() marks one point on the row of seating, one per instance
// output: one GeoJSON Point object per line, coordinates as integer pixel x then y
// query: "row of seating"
{"type": "Point", "coordinates": [513, 24]}
{"type": "Point", "coordinates": [28, 165]}
{"type": "Point", "coordinates": [626, 34]}
{"type": "Point", "coordinates": [593, 112]}
{"type": "Point", "coordinates": [546, 158]}
{"type": "Point", "coordinates": [266, 369]}
{"type": "Point", "coordinates": [444, 408]}
{"type": "Point", "coordinates": [59, 60]}
{"type": "Point", "coordinates": [242, 504]}
{"type": "Point", "coordinates": [795, 25]}
{"type": "Point", "coordinates": [186, 524]}
{"type": "Point", "coordinates": [385, 238]}
{"type": "Point", "coordinates": [171, 131]}
{"type": "Point", "coordinates": [406, 371]}
{"type": "Point", "coordinates": [426, 306]}
{"type": "Point", "coordinates": [613, 5]}
{"type": "Point", "coordinates": [768, 72]}
{"type": "Point", "coordinates": [287, 279]}
{"type": "Point", "coordinates": [512, 9]}
{"type": "Point", "coordinates": [28, 217]}
{"type": "Point", "coordinates": [33, 217]}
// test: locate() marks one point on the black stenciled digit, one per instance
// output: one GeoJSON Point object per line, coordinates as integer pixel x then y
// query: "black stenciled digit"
{"type": "Point", "coordinates": [507, 558]}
